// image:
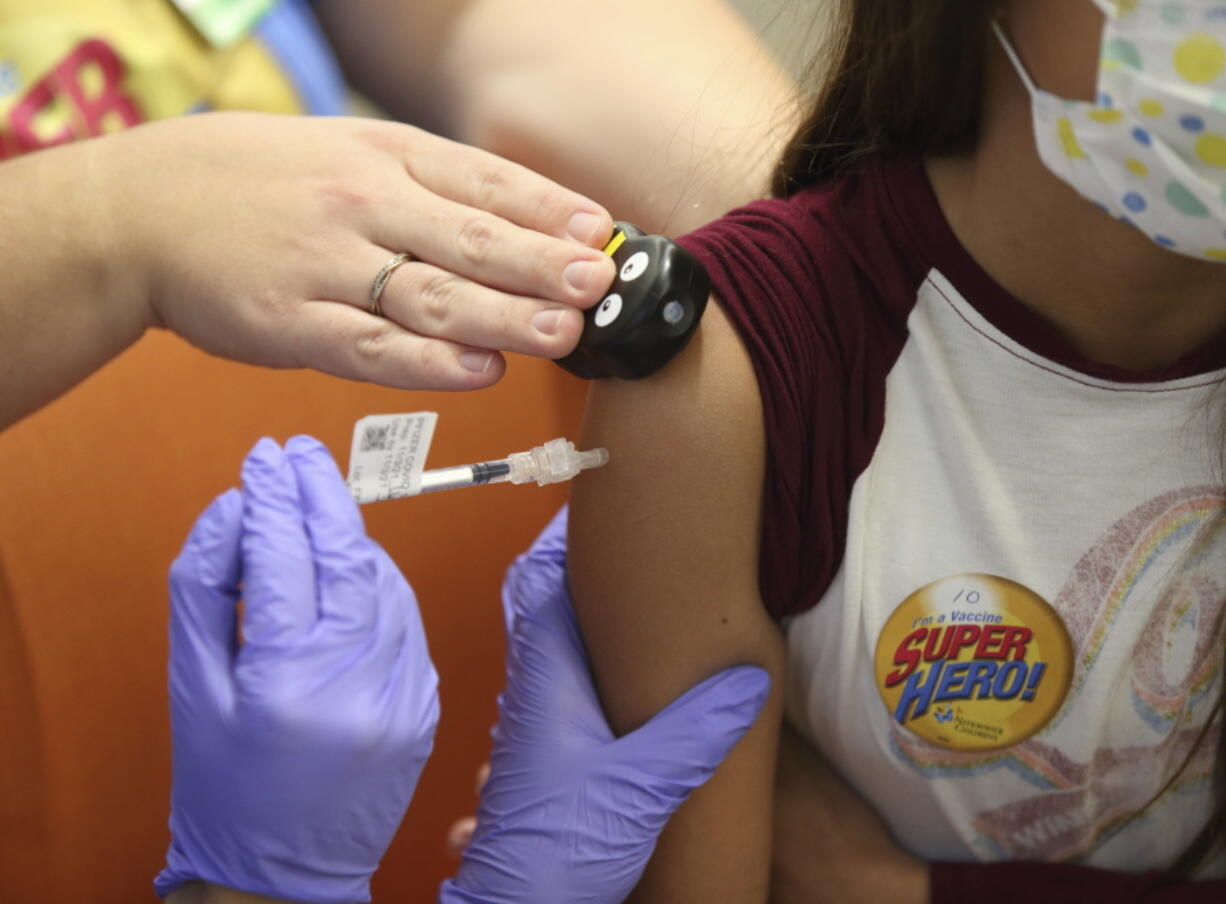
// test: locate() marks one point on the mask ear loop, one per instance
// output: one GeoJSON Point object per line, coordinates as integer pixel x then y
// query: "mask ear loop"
{"type": "Point", "coordinates": [1011, 53]}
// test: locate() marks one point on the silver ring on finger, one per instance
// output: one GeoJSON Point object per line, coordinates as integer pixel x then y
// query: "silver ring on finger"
{"type": "Point", "coordinates": [381, 280]}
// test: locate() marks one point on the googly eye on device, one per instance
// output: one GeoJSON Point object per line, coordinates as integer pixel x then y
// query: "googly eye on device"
{"type": "Point", "coordinates": [649, 313]}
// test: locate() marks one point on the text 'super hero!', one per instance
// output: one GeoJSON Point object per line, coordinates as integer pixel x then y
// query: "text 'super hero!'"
{"type": "Point", "coordinates": [927, 659]}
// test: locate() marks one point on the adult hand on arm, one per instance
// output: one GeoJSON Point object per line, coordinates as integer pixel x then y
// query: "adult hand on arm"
{"type": "Point", "coordinates": [258, 238]}
{"type": "Point", "coordinates": [296, 752]}
{"type": "Point", "coordinates": [571, 813]}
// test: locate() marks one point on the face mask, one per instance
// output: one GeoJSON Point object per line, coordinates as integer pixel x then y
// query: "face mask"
{"type": "Point", "coordinates": [1151, 150]}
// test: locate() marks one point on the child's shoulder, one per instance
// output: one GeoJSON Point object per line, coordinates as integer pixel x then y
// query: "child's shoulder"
{"type": "Point", "coordinates": [840, 252]}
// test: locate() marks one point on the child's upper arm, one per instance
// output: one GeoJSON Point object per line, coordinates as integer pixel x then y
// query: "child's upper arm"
{"type": "Point", "coordinates": [663, 566]}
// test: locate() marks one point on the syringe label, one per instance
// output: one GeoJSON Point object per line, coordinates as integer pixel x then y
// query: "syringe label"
{"type": "Point", "coordinates": [388, 455]}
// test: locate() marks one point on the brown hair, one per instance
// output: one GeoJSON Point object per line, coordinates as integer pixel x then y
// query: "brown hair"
{"type": "Point", "coordinates": [906, 77]}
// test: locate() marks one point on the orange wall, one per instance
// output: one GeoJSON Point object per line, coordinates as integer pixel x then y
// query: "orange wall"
{"type": "Point", "coordinates": [97, 493]}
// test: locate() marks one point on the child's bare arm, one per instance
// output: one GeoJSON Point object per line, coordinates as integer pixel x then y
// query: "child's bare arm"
{"type": "Point", "coordinates": [664, 571]}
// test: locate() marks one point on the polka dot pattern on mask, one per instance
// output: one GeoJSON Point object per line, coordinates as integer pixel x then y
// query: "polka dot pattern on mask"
{"type": "Point", "coordinates": [1173, 13]}
{"type": "Point", "coordinates": [1200, 58]}
{"type": "Point", "coordinates": [1184, 201]}
{"type": "Point", "coordinates": [1150, 150]}
{"type": "Point", "coordinates": [1212, 149]}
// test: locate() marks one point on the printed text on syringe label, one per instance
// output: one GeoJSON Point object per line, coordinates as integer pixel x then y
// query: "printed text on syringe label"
{"type": "Point", "coordinates": [388, 455]}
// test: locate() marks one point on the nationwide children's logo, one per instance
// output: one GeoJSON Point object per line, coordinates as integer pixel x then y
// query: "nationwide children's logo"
{"type": "Point", "coordinates": [974, 662]}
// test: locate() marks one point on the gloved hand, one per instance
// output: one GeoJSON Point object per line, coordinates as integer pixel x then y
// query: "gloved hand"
{"type": "Point", "coordinates": [296, 752]}
{"type": "Point", "coordinates": [571, 814]}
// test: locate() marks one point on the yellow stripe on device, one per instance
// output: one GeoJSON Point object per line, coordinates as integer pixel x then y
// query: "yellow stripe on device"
{"type": "Point", "coordinates": [619, 236]}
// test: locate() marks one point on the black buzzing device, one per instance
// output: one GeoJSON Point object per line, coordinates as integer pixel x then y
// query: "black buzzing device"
{"type": "Point", "coordinates": [649, 313]}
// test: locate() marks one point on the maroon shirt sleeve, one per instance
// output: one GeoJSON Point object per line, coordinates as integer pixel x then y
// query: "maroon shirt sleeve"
{"type": "Point", "coordinates": [1061, 883]}
{"type": "Point", "coordinates": [819, 287]}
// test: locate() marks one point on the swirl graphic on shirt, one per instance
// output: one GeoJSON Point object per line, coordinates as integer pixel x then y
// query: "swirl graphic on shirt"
{"type": "Point", "coordinates": [1159, 574]}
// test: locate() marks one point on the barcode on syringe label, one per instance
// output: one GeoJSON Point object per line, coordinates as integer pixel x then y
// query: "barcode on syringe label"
{"type": "Point", "coordinates": [388, 455]}
{"type": "Point", "coordinates": [376, 439]}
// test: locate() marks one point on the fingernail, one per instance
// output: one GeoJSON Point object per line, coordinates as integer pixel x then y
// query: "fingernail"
{"type": "Point", "coordinates": [547, 321]}
{"type": "Point", "coordinates": [580, 273]}
{"type": "Point", "coordinates": [582, 226]}
{"type": "Point", "coordinates": [477, 362]}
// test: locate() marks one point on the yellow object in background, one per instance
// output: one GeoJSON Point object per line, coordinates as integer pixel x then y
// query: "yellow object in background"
{"type": "Point", "coordinates": [72, 69]}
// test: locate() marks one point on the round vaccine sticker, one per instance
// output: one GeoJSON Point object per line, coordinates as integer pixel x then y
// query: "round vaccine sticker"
{"type": "Point", "coordinates": [974, 662]}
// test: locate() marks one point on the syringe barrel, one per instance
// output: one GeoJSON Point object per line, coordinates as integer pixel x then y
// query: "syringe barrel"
{"type": "Point", "coordinates": [465, 476]}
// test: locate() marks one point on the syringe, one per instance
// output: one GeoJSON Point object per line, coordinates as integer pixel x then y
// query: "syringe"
{"type": "Point", "coordinates": [554, 462]}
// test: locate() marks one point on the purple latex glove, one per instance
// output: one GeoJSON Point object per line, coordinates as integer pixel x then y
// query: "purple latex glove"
{"type": "Point", "coordinates": [570, 814]}
{"type": "Point", "coordinates": [296, 753]}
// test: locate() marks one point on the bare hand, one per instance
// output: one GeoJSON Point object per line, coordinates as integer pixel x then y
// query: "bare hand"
{"type": "Point", "coordinates": [829, 844]}
{"type": "Point", "coordinates": [257, 238]}
{"type": "Point", "coordinates": [461, 831]}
